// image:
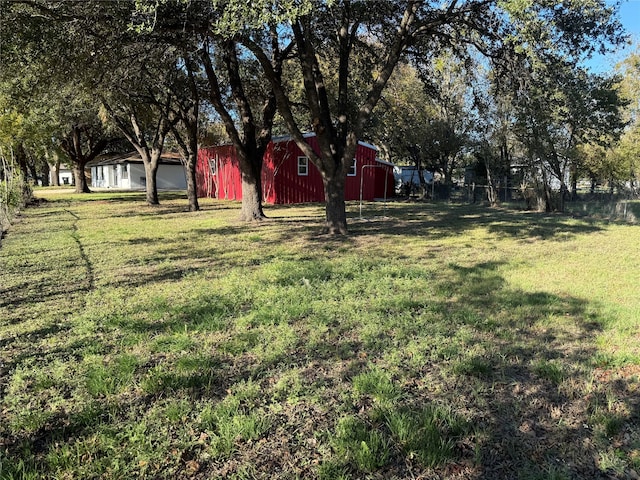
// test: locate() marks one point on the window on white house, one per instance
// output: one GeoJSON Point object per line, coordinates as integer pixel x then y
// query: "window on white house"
{"type": "Point", "coordinates": [352, 169]}
{"type": "Point", "coordinates": [213, 166]}
{"type": "Point", "coordinates": [125, 171]}
{"type": "Point", "coordinates": [303, 166]}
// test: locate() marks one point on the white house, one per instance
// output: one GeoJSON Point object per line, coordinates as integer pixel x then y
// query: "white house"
{"type": "Point", "coordinates": [126, 171]}
{"type": "Point", "coordinates": [65, 175]}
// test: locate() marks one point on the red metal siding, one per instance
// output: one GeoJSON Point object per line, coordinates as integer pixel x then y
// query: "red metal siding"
{"type": "Point", "coordinates": [226, 183]}
{"type": "Point", "coordinates": [384, 174]}
{"type": "Point", "coordinates": [290, 187]}
{"type": "Point", "coordinates": [281, 183]}
{"type": "Point", "coordinates": [268, 172]}
{"type": "Point", "coordinates": [365, 175]}
{"type": "Point", "coordinates": [204, 181]}
{"type": "Point", "coordinates": [385, 177]}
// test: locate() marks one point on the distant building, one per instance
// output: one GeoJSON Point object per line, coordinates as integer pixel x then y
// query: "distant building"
{"type": "Point", "coordinates": [65, 175]}
{"type": "Point", "coordinates": [288, 176]}
{"type": "Point", "coordinates": [126, 171]}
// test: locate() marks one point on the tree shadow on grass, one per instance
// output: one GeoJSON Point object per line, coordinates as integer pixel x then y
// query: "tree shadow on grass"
{"type": "Point", "coordinates": [517, 363]}
{"type": "Point", "coordinates": [444, 220]}
{"type": "Point", "coordinates": [113, 196]}
{"type": "Point", "coordinates": [514, 364]}
{"type": "Point", "coordinates": [251, 244]}
{"type": "Point", "coordinates": [534, 345]}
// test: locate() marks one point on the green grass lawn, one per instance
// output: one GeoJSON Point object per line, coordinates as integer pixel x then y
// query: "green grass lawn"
{"type": "Point", "coordinates": [435, 341]}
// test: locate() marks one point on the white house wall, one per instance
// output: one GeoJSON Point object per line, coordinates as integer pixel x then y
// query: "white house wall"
{"type": "Point", "coordinates": [65, 177]}
{"type": "Point", "coordinates": [124, 175]}
{"type": "Point", "coordinates": [109, 176]}
{"type": "Point", "coordinates": [137, 177]}
{"type": "Point", "coordinates": [97, 177]}
{"type": "Point", "coordinates": [169, 177]}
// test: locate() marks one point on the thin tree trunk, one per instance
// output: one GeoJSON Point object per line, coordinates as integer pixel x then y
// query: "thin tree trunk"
{"type": "Point", "coordinates": [491, 188]}
{"type": "Point", "coordinates": [189, 151]}
{"type": "Point", "coordinates": [548, 198]}
{"type": "Point", "coordinates": [448, 182]}
{"type": "Point", "coordinates": [192, 186]}
{"type": "Point", "coordinates": [561, 200]}
{"type": "Point", "coordinates": [32, 170]}
{"type": "Point", "coordinates": [55, 173]}
{"type": "Point", "coordinates": [21, 158]}
{"type": "Point", "coordinates": [192, 161]}
{"type": "Point", "coordinates": [574, 184]}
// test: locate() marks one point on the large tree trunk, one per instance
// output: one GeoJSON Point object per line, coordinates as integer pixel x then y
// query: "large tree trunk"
{"type": "Point", "coordinates": [21, 157]}
{"type": "Point", "coordinates": [80, 178]}
{"type": "Point", "coordinates": [336, 213]}
{"type": "Point", "coordinates": [72, 144]}
{"type": "Point", "coordinates": [251, 145]}
{"type": "Point", "coordinates": [251, 199]}
{"type": "Point", "coordinates": [46, 174]}
{"type": "Point", "coordinates": [150, 171]}
{"type": "Point", "coordinates": [251, 167]}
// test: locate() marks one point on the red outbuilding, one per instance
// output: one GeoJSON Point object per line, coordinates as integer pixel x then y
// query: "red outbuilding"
{"type": "Point", "coordinates": [288, 176]}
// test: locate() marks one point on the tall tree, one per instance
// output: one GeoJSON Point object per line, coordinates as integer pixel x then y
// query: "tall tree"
{"type": "Point", "coordinates": [146, 128]}
{"type": "Point", "coordinates": [180, 28]}
{"type": "Point", "coordinates": [561, 109]}
{"type": "Point", "coordinates": [495, 143]}
{"type": "Point", "coordinates": [235, 88]}
{"type": "Point", "coordinates": [249, 135]}
{"type": "Point", "coordinates": [626, 168]}
{"type": "Point", "coordinates": [139, 77]}
{"type": "Point", "coordinates": [335, 119]}
{"type": "Point", "coordinates": [45, 79]}
{"type": "Point", "coordinates": [385, 34]}
{"type": "Point", "coordinates": [185, 130]}
{"type": "Point", "coordinates": [400, 125]}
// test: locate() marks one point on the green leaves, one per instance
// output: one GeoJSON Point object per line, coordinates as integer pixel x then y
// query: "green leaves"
{"type": "Point", "coordinates": [238, 15]}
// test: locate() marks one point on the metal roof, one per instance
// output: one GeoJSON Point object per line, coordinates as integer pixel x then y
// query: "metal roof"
{"type": "Point", "coordinates": [168, 158]}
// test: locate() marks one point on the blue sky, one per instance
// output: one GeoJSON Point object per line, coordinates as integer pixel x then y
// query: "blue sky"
{"type": "Point", "coordinates": [630, 17]}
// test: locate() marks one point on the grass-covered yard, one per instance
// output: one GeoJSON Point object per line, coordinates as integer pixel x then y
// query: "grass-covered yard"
{"type": "Point", "coordinates": [441, 341]}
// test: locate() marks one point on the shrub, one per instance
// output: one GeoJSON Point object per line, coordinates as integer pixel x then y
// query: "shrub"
{"type": "Point", "coordinates": [14, 195]}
